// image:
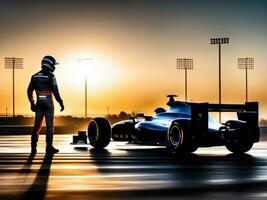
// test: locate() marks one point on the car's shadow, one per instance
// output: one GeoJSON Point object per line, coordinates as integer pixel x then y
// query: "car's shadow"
{"type": "Point", "coordinates": [218, 169]}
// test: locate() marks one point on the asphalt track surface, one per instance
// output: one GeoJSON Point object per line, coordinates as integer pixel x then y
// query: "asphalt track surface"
{"type": "Point", "coordinates": [127, 171]}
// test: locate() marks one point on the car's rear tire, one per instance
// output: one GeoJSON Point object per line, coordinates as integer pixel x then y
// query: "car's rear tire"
{"type": "Point", "coordinates": [179, 139]}
{"type": "Point", "coordinates": [239, 141]}
{"type": "Point", "coordinates": [99, 132]}
{"type": "Point", "coordinates": [238, 147]}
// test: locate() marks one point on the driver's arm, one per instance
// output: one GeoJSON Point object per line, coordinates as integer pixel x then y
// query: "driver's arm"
{"type": "Point", "coordinates": [30, 91]}
{"type": "Point", "coordinates": [54, 89]}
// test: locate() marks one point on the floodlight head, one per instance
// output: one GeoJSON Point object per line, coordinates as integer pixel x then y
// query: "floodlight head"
{"type": "Point", "coordinates": [85, 59]}
{"type": "Point", "coordinates": [82, 62]}
{"type": "Point", "coordinates": [219, 40]}
{"type": "Point", "coordinates": [11, 62]}
{"type": "Point", "coordinates": [245, 63]}
{"type": "Point", "coordinates": [214, 40]}
{"type": "Point", "coordinates": [185, 63]}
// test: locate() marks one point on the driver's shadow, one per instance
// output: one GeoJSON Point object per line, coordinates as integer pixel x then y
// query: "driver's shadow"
{"type": "Point", "coordinates": [38, 188]}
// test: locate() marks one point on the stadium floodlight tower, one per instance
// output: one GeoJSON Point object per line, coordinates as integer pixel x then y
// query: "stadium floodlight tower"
{"type": "Point", "coordinates": [246, 63]}
{"type": "Point", "coordinates": [84, 64]}
{"type": "Point", "coordinates": [13, 63]}
{"type": "Point", "coordinates": [185, 64]}
{"type": "Point", "coordinates": [219, 41]}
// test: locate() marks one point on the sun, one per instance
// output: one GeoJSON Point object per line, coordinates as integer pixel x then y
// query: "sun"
{"type": "Point", "coordinates": [100, 71]}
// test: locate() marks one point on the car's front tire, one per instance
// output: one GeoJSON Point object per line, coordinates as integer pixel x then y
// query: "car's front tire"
{"type": "Point", "coordinates": [179, 138]}
{"type": "Point", "coordinates": [99, 132]}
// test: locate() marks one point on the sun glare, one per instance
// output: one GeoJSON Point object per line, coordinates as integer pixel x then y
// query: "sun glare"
{"type": "Point", "coordinates": [100, 71]}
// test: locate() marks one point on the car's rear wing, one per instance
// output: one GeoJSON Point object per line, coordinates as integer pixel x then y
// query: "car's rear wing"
{"type": "Point", "coordinates": [248, 112]}
{"type": "Point", "coordinates": [247, 107]}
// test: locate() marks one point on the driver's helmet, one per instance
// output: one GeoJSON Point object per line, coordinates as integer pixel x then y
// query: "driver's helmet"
{"type": "Point", "coordinates": [49, 63]}
{"type": "Point", "coordinates": [159, 110]}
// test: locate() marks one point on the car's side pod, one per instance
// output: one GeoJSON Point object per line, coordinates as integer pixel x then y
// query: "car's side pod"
{"type": "Point", "coordinates": [248, 112]}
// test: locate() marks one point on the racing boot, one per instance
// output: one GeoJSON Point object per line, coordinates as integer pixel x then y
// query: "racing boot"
{"type": "Point", "coordinates": [51, 150]}
{"type": "Point", "coordinates": [33, 149]}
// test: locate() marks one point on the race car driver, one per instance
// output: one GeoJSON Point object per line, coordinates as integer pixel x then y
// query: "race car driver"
{"type": "Point", "coordinates": [45, 85]}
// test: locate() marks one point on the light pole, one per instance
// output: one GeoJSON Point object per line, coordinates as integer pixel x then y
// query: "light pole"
{"type": "Point", "coordinates": [83, 63]}
{"type": "Point", "coordinates": [185, 64]}
{"type": "Point", "coordinates": [108, 110]}
{"type": "Point", "coordinates": [246, 63]}
{"type": "Point", "coordinates": [219, 41]}
{"type": "Point", "coordinates": [13, 63]}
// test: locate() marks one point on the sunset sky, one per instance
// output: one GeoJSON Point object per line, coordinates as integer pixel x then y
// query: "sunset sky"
{"type": "Point", "coordinates": [134, 45]}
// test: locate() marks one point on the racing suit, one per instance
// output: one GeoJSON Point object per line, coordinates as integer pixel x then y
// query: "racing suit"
{"type": "Point", "coordinates": [44, 83]}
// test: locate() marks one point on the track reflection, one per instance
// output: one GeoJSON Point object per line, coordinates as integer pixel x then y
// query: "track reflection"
{"type": "Point", "coordinates": [127, 171]}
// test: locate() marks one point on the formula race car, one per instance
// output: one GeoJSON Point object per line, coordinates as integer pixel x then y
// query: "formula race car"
{"type": "Point", "coordinates": [183, 128]}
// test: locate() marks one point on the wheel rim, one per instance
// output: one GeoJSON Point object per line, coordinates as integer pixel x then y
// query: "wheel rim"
{"type": "Point", "coordinates": [176, 135]}
{"type": "Point", "coordinates": [93, 131]}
